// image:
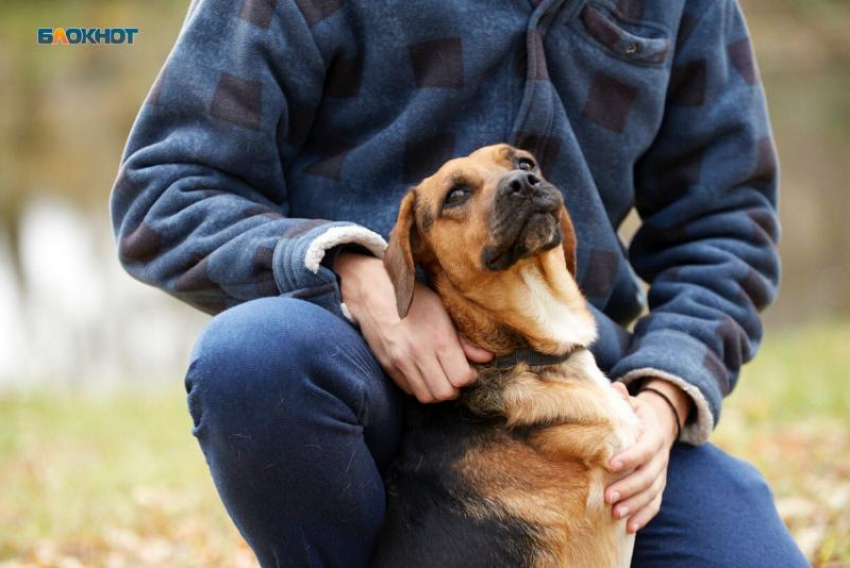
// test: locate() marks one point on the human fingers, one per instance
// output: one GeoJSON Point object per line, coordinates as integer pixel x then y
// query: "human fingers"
{"type": "Point", "coordinates": [649, 442]}
{"type": "Point", "coordinates": [432, 373]}
{"type": "Point", "coordinates": [399, 379]}
{"type": "Point", "coordinates": [455, 364]}
{"type": "Point", "coordinates": [647, 445]}
{"type": "Point", "coordinates": [634, 504]}
{"type": "Point", "coordinates": [642, 518]}
{"type": "Point", "coordinates": [634, 483]}
{"type": "Point", "coordinates": [621, 390]}
{"type": "Point", "coordinates": [473, 352]}
{"type": "Point", "coordinates": [402, 362]}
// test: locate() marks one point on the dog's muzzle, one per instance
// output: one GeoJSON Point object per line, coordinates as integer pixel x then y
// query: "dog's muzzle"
{"type": "Point", "coordinates": [524, 220]}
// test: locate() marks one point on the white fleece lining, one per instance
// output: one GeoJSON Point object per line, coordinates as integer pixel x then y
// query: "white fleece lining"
{"type": "Point", "coordinates": [335, 236]}
{"type": "Point", "coordinates": [697, 431]}
{"type": "Point", "coordinates": [346, 312]}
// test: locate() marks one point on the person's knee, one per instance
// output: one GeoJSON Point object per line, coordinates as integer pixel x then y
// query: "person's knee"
{"type": "Point", "coordinates": [263, 329]}
{"type": "Point", "coordinates": [749, 483]}
{"type": "Point", "coordinates": [723, 509]}
{"type": "Point", "coordinates": [257, 351]}
{"type": "Point", "coordinates": [712, 476]}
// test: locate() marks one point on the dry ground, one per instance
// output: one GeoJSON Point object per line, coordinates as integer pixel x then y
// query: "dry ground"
{"type": "Point", "coordinates": [117, 480]}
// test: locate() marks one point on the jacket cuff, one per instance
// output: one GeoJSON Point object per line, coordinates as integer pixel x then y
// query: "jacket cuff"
{"type": "Point", "coordinates": [677, 358]}
{"type": "Point", "coordinates": [339, 235]}
{"type": "Point", "coordinates": [297, 262]}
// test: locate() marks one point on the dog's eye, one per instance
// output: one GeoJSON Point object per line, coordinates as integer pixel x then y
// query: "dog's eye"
{"type": "Point", "coordinates": [457, 195]}
{"type": "Point", "coordinates": [526, 164]}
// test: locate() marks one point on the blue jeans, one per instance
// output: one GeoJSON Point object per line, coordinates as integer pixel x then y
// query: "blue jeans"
{"type": "Point", "coordinates": [298, 422]}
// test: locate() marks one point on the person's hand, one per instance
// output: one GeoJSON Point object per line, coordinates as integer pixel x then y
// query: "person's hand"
{"type": "Point", "coordinates": [423, 353]}
{"type": "Point", "coordinates": [637, 495]}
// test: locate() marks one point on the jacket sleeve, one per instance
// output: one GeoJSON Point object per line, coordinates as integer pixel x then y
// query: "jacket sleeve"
{"type": "Point", "coordinates": [706, 194]}
{"type": "Point", "coordinates": [200, 206]}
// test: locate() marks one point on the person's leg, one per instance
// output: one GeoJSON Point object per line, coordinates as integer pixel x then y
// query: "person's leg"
{"type": "Point", "coordinates": [717, 511]}
{"type": "Point", "coordinates": [297, 422]}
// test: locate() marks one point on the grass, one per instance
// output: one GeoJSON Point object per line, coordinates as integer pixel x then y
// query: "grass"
{"type": "Point", "coordinates": [110, 480]}
{"type": "Point", "coordinates": [116, 479]}
{"type": "Point", "coordinates": [790, 416]}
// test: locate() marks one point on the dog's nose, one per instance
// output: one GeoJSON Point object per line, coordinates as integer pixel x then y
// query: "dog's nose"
{"type": "Point", "coordinates": [519, 184]}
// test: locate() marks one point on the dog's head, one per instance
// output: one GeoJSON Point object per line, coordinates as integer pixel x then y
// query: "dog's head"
{"type": "Point", "coordinates": [490, 231]}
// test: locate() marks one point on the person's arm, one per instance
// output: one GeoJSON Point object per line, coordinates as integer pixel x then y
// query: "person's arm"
{"type": "Point", "coordinates": [200, 206]}
{"type": "Point", "coordinates": [706, 193]}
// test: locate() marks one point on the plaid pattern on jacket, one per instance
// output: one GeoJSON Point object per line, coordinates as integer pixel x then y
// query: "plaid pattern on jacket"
{"type": "Point", "coordinates": [279, 130]}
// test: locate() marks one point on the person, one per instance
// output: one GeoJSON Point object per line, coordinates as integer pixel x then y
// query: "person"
{"type": "Point", "coordinates": [264, 172]}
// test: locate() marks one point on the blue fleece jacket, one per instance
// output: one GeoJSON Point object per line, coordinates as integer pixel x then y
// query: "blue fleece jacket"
{"type": "Point", "coordinates": [279, 130]}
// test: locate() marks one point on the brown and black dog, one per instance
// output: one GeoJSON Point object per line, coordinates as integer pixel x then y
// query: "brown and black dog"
{"type": "Point", "coordinates": [512, 473]}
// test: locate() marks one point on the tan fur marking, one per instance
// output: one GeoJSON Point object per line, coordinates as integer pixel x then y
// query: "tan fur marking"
{"type": "Point", "coordinates": [553, 477]}
{"type": "Point", "coordinates": [547, 480]}
{"type": "Point", "coordinates": [549, 495]}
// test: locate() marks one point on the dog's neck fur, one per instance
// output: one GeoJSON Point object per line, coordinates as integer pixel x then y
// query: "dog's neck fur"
{"type": "Point", "coordinates": [535, 303]}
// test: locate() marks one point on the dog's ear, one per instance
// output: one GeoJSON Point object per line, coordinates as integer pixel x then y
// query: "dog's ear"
{"type": "Point", "coordinates": [398, 260]}
{"type": "Point", "coordinates": [568, 240]}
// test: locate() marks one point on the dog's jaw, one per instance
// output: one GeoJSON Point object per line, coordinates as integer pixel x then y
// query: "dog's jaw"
{"type": "Point", "coordinates": [539, 307]}
{"type": "Point", "coordinates": [538, 232]}
{"type": "Point", "coordinates": [550, 301]}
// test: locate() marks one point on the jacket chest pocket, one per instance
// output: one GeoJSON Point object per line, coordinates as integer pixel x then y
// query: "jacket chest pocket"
{"type": "Point", "coordinates": [616, 68]}
{"type": "Point", "coordinates": [638, 42]}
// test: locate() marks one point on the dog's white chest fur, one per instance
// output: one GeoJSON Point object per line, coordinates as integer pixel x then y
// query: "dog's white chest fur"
{"type": "Point", "coordinates": [556, 318]}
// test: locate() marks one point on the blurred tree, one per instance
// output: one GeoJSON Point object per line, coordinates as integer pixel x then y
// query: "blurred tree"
{"type": "Point", "coordinates": [65, 113]}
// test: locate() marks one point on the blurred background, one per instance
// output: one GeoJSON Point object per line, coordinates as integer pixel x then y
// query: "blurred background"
{"type": "Point", "coordinates": [97, 463]}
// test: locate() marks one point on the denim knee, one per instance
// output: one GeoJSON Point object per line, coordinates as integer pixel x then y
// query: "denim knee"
{"type": "Point", "coordinates": [718, 510]}
{"type": "Point", "coordinates": [257, 350]}
{"type": "Point", "coordinates": [726, 478]}
{"type": "Point", "coordinates": [279, 391]}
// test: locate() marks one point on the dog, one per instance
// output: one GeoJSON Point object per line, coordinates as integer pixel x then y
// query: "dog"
{"type": "Point", "coordinates": [512, 473]}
